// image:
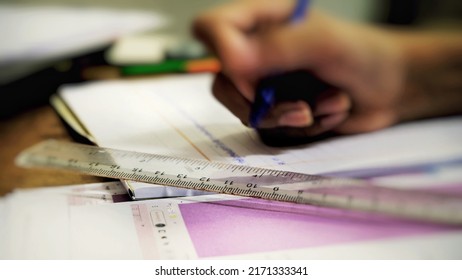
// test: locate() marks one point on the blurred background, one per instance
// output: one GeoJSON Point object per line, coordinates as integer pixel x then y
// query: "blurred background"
{"type": "Point", "coordinates": [183, 11]}
{"type": "Point", "coordinates": [47, 43]}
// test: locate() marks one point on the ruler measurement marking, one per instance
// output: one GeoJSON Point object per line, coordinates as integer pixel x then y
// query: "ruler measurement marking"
{"type": "Point", "coordinates": [243, 180]}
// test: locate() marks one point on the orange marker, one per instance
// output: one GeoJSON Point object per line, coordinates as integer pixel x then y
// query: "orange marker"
{"type": "Point", "coordinates": [174, 66]}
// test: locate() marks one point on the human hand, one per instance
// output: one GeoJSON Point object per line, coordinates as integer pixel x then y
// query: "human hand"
{"type": "Point", "coordinates": [365, 64]}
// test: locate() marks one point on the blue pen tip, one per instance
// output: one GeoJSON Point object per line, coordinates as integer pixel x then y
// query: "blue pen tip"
{"type": "Point", "coordinates": [262, 106]}
{"type": "Point", "coordinates": [300, 10]}
{"type": "Point", "coordinates": [268, 96]}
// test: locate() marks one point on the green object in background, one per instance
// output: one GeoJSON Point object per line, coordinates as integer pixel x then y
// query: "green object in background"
{"type": "Point", "coordinates": [168, 66]}
{"type": "Point", "coordinates": [209, 64]}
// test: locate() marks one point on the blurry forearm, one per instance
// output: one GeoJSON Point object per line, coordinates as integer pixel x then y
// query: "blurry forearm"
{"type": "Point", "coordinates": [433, 84]}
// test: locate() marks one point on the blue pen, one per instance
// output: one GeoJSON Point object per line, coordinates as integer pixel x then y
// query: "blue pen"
{"type": "Point", "coordinates": [265, 96]}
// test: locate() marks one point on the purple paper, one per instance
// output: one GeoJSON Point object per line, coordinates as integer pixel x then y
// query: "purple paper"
{"type": "Point", "coordinates": [252, 226]}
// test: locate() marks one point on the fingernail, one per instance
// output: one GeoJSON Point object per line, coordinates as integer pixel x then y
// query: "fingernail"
{"type": "Point", "coordinates": [333, 120]}
{"type": "Point", "coordinates": [332, 104]}
{"type": "Point", "coordinates": [298, 118]}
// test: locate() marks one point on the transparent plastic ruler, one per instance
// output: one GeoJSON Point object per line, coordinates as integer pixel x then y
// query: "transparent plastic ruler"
{"type": "Point", "coordinates": [245, 181]}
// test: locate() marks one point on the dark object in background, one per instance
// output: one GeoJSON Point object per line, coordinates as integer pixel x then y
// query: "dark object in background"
{"type": "Point", "coordinates": [420, 12]}
{"type": "Point", "coordinates": [35, 89]}
{"type": "Point", "coordinates": [402, 12]}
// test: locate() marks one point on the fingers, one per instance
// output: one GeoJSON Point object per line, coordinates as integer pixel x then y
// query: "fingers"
{"type": "Point", "coordinates": [299, 114]}
{"type": "Point", "coordinates": [360, 122]}
{"type": "Point", "coordinates": [288, 136]}
{"type": "Point", "coordinates": [332, 102]}
{"type": "Point", "coordinates": [225, 30]}
{"type": "Point", "coordinates": [295, 114]}
{"type": "Point", "coordinates": [243, 16]}
{"type": "Point", "coordinates": [298, 120]}
{"type": "Point", "coordinates": [252, 39]}
{"type": "Point", "coordinates": [321, 125]}
{"type": "Point", "coordinates": [226, 93]}
{"type": "Point", "coordinates": [330, 110]}
{"type": "Point", "coordinates": [305, 45]}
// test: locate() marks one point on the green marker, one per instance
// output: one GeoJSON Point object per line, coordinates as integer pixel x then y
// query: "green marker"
{"type": "Point", "coordinates": [173, 66]}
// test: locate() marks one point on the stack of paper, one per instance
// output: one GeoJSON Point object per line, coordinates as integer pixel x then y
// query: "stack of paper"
{"type": "Point", "coordinates": [178, 116]}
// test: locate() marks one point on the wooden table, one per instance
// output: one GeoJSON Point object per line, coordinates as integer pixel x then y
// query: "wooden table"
{"type": "Point", "coordinates": [22, 131]}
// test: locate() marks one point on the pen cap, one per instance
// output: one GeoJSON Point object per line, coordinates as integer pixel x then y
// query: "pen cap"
{"type": "Point", "coordinates": [291, 86]}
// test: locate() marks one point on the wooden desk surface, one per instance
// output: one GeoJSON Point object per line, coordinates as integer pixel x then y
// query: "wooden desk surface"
{"type": "Point", "coordinates": [22, 131]}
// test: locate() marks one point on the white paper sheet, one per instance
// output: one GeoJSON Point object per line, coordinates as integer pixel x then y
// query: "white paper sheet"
{"type": "Point", "coordinates": [3, 227]}
{"type": "Point", "coordinates": [36, 223]}
{"type": "Point", "coordinates": [179, 116]}
{"type": "Point", "coordinates": [32, 35]}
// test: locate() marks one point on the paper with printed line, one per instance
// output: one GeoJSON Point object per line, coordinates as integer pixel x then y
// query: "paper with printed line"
{"type": "Point", "coordinates": [178, 116]}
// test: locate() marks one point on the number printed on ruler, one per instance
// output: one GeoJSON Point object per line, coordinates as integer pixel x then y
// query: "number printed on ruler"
{"type": "Point", "coordinates": [244, 181]}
